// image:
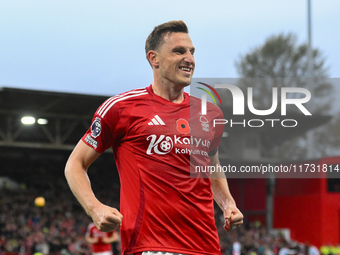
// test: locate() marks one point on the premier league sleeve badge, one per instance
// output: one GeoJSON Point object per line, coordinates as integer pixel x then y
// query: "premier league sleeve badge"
{"type": "Point", "coordinates": [96, 128]}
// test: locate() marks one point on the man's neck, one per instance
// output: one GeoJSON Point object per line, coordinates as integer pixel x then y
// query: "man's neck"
{"type": "Point", "coordinates": [169, 92]}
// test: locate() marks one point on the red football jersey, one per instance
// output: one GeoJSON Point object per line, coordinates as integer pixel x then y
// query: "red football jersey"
{"type": "Point", "coordinates": [164, 208]}
{"type": "Point", "coordinates": [93, 231]}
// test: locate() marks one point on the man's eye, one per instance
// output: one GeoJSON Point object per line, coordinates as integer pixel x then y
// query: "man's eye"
{"type": "Point", "coordinates": [179, 51]}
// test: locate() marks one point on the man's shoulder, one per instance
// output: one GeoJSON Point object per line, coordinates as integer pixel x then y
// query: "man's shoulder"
{"type": "Point", "coordinates": [196, 104]}
{"type": "Point", "coordinates": [91, 226]}
{"type": "Point", "coordinates": [123, 100]}
{"type": "Point", "coordinates": [131, 95]}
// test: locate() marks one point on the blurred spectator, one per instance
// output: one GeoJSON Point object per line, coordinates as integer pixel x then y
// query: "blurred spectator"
{"type": "Point", "coordinates": [100, 241]}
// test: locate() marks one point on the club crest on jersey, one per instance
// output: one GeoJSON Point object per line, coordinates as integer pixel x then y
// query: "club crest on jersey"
{"type": "Point", "coordinates": [204, 123]}
{"type": "Point", "coordinates": [183, 126]}
{"type": "Point", "coordinates": [162, 145]}
{"type": "Point", "coordinates": [96, 128]}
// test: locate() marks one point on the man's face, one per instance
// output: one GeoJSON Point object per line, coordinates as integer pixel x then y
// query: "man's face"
{"type": "Point", "coordinates": [176, 59]}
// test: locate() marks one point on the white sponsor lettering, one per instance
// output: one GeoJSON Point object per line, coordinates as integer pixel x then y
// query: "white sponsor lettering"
{"type": "Point", "coordinates": [164, 144]}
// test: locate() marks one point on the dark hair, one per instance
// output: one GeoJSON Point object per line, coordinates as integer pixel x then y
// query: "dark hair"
{"type": "Point", "coordinates": [156, 37]}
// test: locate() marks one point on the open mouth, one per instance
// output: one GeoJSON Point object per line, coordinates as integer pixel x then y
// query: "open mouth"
{"type": "Point", "coordinates": [186, 69]}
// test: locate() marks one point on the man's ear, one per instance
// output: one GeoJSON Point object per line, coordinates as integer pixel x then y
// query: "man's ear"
{"type": "Point", "coordinates": [153, 58]}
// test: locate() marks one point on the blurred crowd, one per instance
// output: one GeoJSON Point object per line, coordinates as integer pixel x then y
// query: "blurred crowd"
{"type": "Point", "coordinates": [57, 228]}
{"type": "Point", "coordinates": [254, 239]}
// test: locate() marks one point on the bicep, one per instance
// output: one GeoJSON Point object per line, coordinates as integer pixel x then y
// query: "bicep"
{"type": "Point", "coordinates": [214, 161]}
{"type": "Point", "coordinates": [82, 156]}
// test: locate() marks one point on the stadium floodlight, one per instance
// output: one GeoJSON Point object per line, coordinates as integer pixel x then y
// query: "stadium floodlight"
{"type": "Point", "coordinates": [28, 120]}
{"type": "Point", "coordinates": [42, 121]}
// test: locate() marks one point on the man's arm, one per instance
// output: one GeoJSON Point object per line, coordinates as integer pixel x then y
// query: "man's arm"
{"type": "Point", "coordinates": [112, 238]}
{"type": "Point", "coordinates": [219, 185]}
{"type": "Point", "coordinates": [90, 239]}
{"type": "Point", "coordinates": [104, 217]}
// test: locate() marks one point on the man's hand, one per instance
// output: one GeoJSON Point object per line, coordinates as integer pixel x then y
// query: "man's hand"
{"type": "Point", "coordinates": [106, 218]}
{"type": "Point", "coordinates": [233, 217]}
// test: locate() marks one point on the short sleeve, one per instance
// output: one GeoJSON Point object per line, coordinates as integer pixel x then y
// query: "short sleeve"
{"type": "Point", "coordinates": [105, 129]}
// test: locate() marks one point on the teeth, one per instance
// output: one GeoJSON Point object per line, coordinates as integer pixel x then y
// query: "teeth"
{"type": "Point", "coordinates": [186, 69]}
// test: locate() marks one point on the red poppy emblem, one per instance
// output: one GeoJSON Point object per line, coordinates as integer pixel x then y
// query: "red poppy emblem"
{"type": "Point", "coordinates": [183, 126]}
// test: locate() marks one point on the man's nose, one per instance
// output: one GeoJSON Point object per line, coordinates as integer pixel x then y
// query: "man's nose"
{"type": "Point", "coordinates": [189, 58]}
